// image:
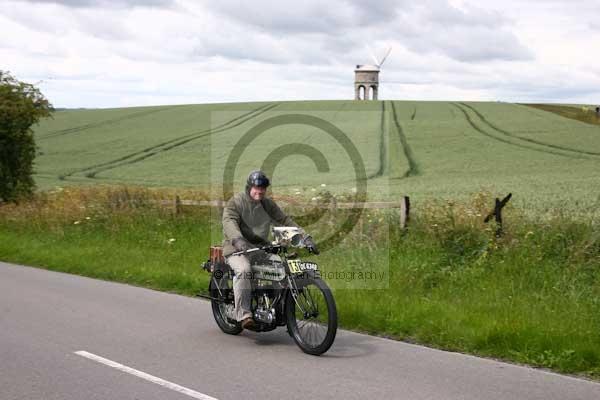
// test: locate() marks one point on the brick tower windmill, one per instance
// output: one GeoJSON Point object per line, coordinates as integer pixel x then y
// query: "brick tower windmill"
{"type": "Point", "coordinates": [366, 79]}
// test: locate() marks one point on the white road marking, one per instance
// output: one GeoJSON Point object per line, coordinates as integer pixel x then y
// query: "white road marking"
{"type": "Point", "coordinates": [143, 375]}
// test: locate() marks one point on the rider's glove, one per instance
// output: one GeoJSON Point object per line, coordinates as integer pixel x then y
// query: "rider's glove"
{"type": "Point", "coordinates": [240, 244]}
{"type": "Point", "coordinates": [271, 249]}
{"type": "Point", "coordinates": [310, 245]}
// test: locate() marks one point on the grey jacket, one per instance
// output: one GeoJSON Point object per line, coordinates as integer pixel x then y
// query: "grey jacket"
{"type": "Point", "coordinates": [246, 218]}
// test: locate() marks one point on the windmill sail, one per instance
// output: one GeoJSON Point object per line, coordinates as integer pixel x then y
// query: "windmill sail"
{"type": "Point", "coordinates": [378, 63]}
{"type": "Point", "coordinates": [387, 53]}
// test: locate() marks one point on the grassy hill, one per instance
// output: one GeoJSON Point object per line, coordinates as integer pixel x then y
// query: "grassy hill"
{"type": "Point", "coordinates": [423, 149]}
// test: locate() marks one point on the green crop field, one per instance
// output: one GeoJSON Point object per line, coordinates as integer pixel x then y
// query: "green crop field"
{"type": "Point", "coordinates": [422, 149]}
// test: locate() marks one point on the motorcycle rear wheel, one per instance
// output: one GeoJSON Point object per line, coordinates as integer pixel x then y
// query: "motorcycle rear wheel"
{"type": "Point", "coordinates": [218, 309]}
{"type": "Point", "coordinates": [312, 316]}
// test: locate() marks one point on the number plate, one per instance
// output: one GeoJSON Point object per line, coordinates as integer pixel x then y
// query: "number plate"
{"type": "Point", "coordinates": [297, 266]}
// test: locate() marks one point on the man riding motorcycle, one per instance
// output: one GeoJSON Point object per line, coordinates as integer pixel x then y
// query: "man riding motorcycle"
{"type": "Point", "coordinates": [247, 220]}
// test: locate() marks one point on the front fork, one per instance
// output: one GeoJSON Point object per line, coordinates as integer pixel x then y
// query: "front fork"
{"type": "Point", "coordinates": [295, 293]}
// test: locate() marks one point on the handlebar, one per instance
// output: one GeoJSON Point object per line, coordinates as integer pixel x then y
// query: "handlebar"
{"type": "Point", "coordinates": [267, 248]}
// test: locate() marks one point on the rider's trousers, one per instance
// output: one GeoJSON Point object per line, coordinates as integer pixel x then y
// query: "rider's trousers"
{"type": "Point", "coordinates": [242, 286]}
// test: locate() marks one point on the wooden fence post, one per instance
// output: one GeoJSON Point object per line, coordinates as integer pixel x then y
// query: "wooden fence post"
{"type": "Point", "coordinates": [361, 224]}
{"type": "Point", "coordinates": [177, 206]}
{"type": "Point", "coordinates": [332, 210]}
{"type": "Point", "coordinates": [404, 211]}
{"type": "Point", "coordinates": [497, 213]}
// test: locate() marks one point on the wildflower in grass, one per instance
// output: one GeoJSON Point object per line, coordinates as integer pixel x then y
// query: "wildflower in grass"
{"type": "Point", "coordinates": [323, 185]}
{"type": "Point", "coordinates": [88, 218]}
{"type": "Point", "coordinates": [76, 222]}
{"type": "Point", "coordinates": [172, 240]}
{"type": "Point", "coordinates": [314, 199]}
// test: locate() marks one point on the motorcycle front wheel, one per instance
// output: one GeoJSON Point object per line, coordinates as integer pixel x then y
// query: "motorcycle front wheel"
{"type": "Point", "coordinates": [312, 316]}
{"type": "Point", "coordinates": [219, 309]}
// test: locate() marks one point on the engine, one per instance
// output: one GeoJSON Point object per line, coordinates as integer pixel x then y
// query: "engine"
{"type": "Point", "coordinates": [264, 312]}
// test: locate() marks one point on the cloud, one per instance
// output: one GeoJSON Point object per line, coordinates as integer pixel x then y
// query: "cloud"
{"type": "Point", "coordinates": [115, 53]}
{"type": "Point", "coordinates": [286, 18]}
{"type": "Point", "coordinates": [469, 34]}
{"type": "Point", "coordinates": [309, 16]}
{"type": "Point", "coordinates": [105, 3]}
{"type": "Point", "coordinates": [300, 32]}
{"type": "Point", "coordinates": [98, 22]}
{"type": "Point", "coordinates": [471, 44]}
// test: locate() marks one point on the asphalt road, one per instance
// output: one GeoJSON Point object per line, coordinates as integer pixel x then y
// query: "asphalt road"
{"type": "Point", "coordinates": [46, 317]}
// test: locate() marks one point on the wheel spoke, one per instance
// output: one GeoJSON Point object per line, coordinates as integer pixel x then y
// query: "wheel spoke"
{"type": "Point", "coordinates": [314, 305]}
{"type": "Point", "coordinates": [318, 334]}
{"type": "Point", "coordinates": [311, 334]}
{"type": "Point", "coordinates": [303, 324]}
{"type": "Point", "coordinates": [311, 315]}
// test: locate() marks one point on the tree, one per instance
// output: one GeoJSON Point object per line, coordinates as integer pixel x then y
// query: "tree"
{"type": "Point", "coordinates": [21, 106]}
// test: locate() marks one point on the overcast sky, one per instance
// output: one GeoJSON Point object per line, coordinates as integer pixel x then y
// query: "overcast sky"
{"type": "Point", "coordinates": [115, 53]}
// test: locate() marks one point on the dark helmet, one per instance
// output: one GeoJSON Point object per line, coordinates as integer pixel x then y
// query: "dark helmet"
{"type": "Point", "coordinates": [257, 178]}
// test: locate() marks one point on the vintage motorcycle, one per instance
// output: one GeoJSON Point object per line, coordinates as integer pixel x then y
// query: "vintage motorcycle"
{"type": "Point", "coordinates": [285, 291]}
